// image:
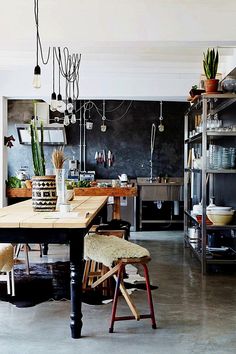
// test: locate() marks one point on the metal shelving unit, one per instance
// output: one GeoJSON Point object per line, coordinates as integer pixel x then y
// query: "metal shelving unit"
{"type": "Point", "coordinates": [205, 104]}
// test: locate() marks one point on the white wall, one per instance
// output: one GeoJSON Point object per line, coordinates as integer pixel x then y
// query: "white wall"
{"type": "Point", "coordinates": [3, 151]}
{"type": "Point", "coordinates": [130, 48]}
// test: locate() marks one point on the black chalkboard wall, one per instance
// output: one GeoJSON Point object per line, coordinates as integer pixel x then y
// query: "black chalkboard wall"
{"type": "Point", "coordinates": [128, 139]}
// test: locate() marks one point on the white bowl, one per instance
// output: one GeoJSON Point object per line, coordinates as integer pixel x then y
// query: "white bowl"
{"type": "Point", "coordinates": [219, 208]}
{"type": "Point", "coordinates": [220, 212]}
{"type": "Point", "coordinates": [220, 219]}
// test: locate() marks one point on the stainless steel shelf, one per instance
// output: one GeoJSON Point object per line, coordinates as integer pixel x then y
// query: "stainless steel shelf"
{"type": "Point", "coordinates": [222, 171]}
{"type": "Point", "coordinates": [195, 170]}
{"type": "Point", "coordinates": [191, 217]}
{"type": "Point", "coordinates": [222, 227]}
{"type": "Point", "coordinates": [194, 139]}
{"type": "Point", "coordinates": [204, 179]}
{"type": "Point", "coordinates": [209, 260]}
{"type": "Point", "coordinates": [162, 221]}
{"type": "Point", "coordinates": [214, 133]}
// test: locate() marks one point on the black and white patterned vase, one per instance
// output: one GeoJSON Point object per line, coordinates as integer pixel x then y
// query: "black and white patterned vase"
{"type": "Point", "coordinates": [44, 196]}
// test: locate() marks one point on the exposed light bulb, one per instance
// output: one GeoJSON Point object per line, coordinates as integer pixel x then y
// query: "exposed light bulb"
{"type": "Point", "coordinates": [161, 127]}
{"type": "Point", "coordinates": [66, 118]}
{"type": "Point", "coordinates": [89, 125]}
{"type": "Point", "coordinates": [70, 105]}
{"type": "Point", "coordinates": [103, 128]}
{"type": "Point", "coordinates": [37, 77]}
{"type": "Point", "coordinates": [53, 105]}
{"type": "Point", "coordinates": [60, 104]}
{"type": "Point", "coordinates": [73, 117]}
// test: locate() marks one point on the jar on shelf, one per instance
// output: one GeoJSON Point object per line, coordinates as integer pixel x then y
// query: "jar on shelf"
{"type": "Point", "coordinates": [229, 84]}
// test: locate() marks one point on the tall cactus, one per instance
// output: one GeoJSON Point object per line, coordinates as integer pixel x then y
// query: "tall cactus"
{"type": "Point", "coordinates": [37, 148]}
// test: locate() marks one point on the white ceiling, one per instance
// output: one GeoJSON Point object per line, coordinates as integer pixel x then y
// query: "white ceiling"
{"type": "Point", "coordinates": [129, 48]}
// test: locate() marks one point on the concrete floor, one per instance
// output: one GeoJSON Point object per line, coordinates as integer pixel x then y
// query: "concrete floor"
{"type": "Point", "coordinates": [195, 313]}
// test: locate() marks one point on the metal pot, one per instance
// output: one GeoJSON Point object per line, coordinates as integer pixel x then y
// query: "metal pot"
{"type": "Point", "coordinates": [193, 233]}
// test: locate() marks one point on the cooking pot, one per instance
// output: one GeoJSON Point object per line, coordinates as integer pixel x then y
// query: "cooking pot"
{"type": "Point", "coordinates": [193, 233]}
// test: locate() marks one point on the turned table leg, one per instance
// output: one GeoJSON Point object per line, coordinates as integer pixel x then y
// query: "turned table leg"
{"type": "Point", "coordinates": [76, 271]}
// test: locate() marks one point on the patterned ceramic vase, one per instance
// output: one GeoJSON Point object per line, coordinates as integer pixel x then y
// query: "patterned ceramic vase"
{"type": "Point", "coordinates": [44, 196]}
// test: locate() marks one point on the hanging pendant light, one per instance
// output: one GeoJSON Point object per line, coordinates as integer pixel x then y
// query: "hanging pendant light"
{"type": "Point", "coordinates": [103, 126]}
{"type": "Point", "coordinates": [53, 105]}
{"type": "Point", "coordinates": [37, 77]}
{"type": "Point", "coordinates": [73, 117]}
{"type": "Point", "coordinates": [66, 118]}
{"type": "Point", "coordinates": [60, 103]}
{"type": "Point", "coordinates": [37, 69]}
{"type": "Point", "coordinates": [68, 68]}
{"type": "Point", "coordinates": [161, 127]}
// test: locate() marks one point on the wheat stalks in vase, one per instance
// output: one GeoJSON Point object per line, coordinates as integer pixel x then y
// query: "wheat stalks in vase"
{"type": "Point", "coordinates": [58, 158]}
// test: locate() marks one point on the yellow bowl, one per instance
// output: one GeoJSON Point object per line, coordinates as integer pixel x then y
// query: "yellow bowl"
{"type": "Point", "coordinates": [220, 219]}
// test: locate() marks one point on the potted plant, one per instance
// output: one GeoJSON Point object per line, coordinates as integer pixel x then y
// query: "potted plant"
{"type": "Point", "coordinates": [210, 65]}
{"type": "Point", "coordinates": [44, 196]}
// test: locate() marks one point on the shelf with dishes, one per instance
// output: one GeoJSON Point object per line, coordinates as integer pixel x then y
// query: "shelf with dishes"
{"type": "Point", "coordinates": [210, 166]}
{"type": "Point", "coordinates": [214, 255]}
{"type": "Point", "coordinates": [197, 220]}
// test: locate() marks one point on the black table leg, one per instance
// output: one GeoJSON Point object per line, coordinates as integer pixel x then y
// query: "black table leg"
{"type": "Point", "coordinates": [76, 271]}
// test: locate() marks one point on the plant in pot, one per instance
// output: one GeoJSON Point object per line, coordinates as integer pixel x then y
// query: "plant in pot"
{"type": "Point", "coordinates": [210, 65]}
{"type": "Point", "coordinates": [44, 196]}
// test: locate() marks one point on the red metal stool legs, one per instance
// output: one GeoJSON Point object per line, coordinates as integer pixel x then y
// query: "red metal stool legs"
{"type": "Point", "coordinates": [149, 296]}
{"type": "Point", "coordinates": [119, 284]}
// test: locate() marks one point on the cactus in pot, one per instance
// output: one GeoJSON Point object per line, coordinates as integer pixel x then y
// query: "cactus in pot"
{"type": "Point", "coordinates": [44, 197]}
{"type": "Point", "coordinates": [37, 148]}
{"type": "Point", "coordinates": [210, 65]}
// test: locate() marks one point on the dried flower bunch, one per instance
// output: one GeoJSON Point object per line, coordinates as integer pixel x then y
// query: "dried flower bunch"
{"type": "Point", "coordinates": [58, 158]}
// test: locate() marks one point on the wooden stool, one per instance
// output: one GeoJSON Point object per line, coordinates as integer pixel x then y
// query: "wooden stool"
{"type": "Point", "coordinates": [112, 250]}
{"type": "Point", "coordinates": [7, 267]}
{"type": "Point", "coordinates": [94, 270]}
{"type": "Point", "coordinates": [25, 247]}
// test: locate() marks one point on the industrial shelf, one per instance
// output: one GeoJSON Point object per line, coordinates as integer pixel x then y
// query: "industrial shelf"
{"type": "Point", "coordinates": [201, 181]}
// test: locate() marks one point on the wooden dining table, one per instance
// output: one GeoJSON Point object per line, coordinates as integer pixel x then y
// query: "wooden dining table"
{"type": "Point", "coordinates": [115, 192]}
{"type": "Point", "coordinates": [20, 224]}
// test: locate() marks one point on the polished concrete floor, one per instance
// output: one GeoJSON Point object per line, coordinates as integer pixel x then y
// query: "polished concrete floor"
{"type": "Point", "coordinates": [195, 313]}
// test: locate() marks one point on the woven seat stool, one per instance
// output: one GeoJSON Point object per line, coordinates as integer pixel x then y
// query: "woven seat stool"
{"type": "Point", "coordinates": [115, 253]}
{"type": "Point", "coordinates": [7, 266]}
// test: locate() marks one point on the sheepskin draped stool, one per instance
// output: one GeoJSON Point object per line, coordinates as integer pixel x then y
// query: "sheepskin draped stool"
{"type": "Point", "coordinates": [115, 253]}
{"type": "Point", "coordinates": [6, 266]}
{"type": "Point", "coordinates": [94, 270]}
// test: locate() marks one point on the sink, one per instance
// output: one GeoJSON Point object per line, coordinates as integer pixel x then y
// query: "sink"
{"type": "Point", "coordinates": [151, 191]}
{"type": "Point", "coordinates": [143, 181]}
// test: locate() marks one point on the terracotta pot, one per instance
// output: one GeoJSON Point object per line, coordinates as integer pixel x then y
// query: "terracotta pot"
{"type": "Point", "coordinates": [211, 85]}
{"type": "Point", "coordinates": [44, 196]}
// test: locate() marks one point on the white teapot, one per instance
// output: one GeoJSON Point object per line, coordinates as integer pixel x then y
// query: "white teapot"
{"type": "Point", "coordinates": [21, 174]}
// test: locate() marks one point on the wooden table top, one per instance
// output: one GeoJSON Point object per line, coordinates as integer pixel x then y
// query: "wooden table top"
{"type": "Point", "coordinates": [21, 215]}
{"type": "Point", "coordinates": [108, 191]}
{"type": "Point", "coordinates": [89, 191]}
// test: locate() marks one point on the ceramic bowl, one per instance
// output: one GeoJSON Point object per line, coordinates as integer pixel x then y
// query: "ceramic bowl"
{"type": "Point", "coordinates": [219, 219]}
